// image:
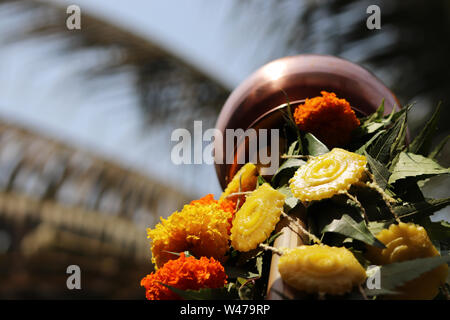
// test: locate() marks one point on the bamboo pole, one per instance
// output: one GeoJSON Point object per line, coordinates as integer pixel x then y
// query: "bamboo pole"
{"type": "Point", "coordinates": [276, 288]}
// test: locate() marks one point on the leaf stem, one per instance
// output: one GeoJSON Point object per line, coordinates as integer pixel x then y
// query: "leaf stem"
{"type": "Point", "coordinates": [374, 186]}
{"type": "Point", "coordinates": [363, 293]}
{"type": "Point", "coordinates": [303, 230]}
{"type": "Point", "coordinates": [239, 190]}
{"type": "Point", "coordinates": [360, 206]}
{"type": "Point", "coordinates": [270, 248]}
{"type": "Point", "coordinates": [238, 194]}
{"type": "Point", "coordinates": [387, 198]}
{"type": "Point", "coordinates": [296, 156]}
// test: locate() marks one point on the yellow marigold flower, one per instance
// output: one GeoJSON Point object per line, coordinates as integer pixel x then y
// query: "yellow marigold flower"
{"type": "Point", "coordinates": [248, 176]}
{"type": "Point", "coordinates": [257, 218]}
{"type": "Point", "coordinates": [328, 174]}
{"type": "Point", "coordinates": [320, 268]}
{"type": "Point", "coordinates": [407, 241]}
{"type": "Point", "coordinates": [199, 228]}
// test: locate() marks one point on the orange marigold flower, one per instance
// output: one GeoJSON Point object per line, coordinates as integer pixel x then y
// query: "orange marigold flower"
{"type": "Point", "coordinates": [224, 204]}
{"type": "Point", "coordinates": [329, 118]}
{"type": "Point", "coordinates": [208, 199]}
{"type": "Point", "coordinates": [229, 206]}
{"type": "Point", "coordinates": [202, 227]}
{"type": "Point", "coordinates": [184, 273]}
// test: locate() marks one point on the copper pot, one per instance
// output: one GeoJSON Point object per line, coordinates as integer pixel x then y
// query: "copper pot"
{"type": "Point", "coordinates": [255, 101]}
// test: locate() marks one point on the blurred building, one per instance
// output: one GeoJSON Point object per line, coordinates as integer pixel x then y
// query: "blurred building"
{"type": "Point", "coordinates": [61, 206]}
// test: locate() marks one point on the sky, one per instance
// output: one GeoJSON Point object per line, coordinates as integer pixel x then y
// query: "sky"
{"type": "Point", "coordinates": [203, 33]}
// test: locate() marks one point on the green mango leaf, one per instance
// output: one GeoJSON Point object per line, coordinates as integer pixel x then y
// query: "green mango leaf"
{"type": "Point", "coordinates": [290, 164]}
{"type": "Point", "coordinates": [436, 151]}
{"type": "Point", "coordinates": [414, 165]}
{"type": "Point", "coordinates": [365, 146]}
{"type": "Point", "coordinates": [378, 115]}
{"type": "Point", "coordinates": [350, 228]}
{"type": "Point", "coordinates": [376, 226]}
{"type": "Point", "coordinates": [286, 112]}
{"type": "Point", "coordinates": [286, 171]}
{"type": "Point", "coordinates": [272, 238]}
{"type": "Point", "coordinates": [388, 142]}
{"type": "Point", "coordinates": [396, 274]}
{"type": "Point", "coordinates": [422, 142]}
{"type": "Point", "coordinates": [379, 292]}
{"type": "Point", "coordinates": [437, 230]}
{"type": "Point", "coordinates": [372, 127]}
{"type": "Point", "coordinates": [380, 172]}
{"type": "Point", "coordinates": [290, 202]}
{"type": "Point", "coordinates": [399, 143]}
{"type": "Point", "coordinates": [408, 190]}
{"type": "Point", "coordinates": [225, 293]}
{"type": "Point", "coordinates": [314, 146]}
{"type": "Point", "coordinates": [260, 181]}
{"type": "Point", "coordinates": [359, 255]}
{"type": "Point", "coordinates": [295, 148]}
{"type": "Point", "coordinates": [234, 272]}
{"type": "Point", "coordinates": [246, 291]}
{"type": "Point", "coordinates": [374, 122]}
{"type": "Point", "coordinates": [395, 115]}
{"type": "Point", "coordinates": [187, 254]}
{"type": "Point", "coordinates": [420, 209]}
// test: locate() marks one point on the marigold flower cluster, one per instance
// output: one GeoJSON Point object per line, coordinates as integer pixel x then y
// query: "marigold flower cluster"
{"type": "Point", "coordinates": [407, 241]}
{"type": "Point", "coordinates": [184, 273]}
{"type": "Point", "coordinates": [201, 228]}
{"type": "Point", "coordinates": [329, 118]}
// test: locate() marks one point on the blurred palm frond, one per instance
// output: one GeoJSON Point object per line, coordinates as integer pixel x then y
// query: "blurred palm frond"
{"type": "Point", "coordinates": [169, 88]}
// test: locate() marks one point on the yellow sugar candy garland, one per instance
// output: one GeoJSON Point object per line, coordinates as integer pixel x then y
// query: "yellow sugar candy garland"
{"type": "Point", "coordinates": [320, 268]}
{"type": "Point", "coordinates": [257, 218]}
{"type": "Point", "coordinates": [245, 178]}
{"type": "Point", "coordinates": [326, 175]}
{"type": "Point", "coordinates": [407, 241]}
